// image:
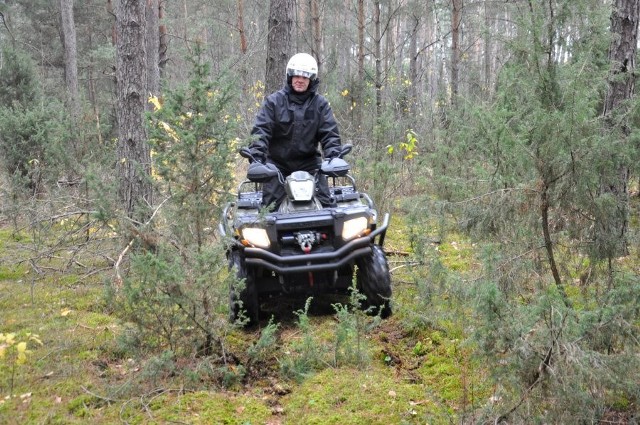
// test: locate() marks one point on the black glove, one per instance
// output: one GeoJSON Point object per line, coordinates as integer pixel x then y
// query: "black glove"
{"type": "Point", "coordinates": [330, 155]}
{"type": "Point", "coordinates": [258, 156]}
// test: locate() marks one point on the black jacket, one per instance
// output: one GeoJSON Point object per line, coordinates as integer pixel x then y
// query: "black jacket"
{"type": "Point", "coordinates": [289, 127]}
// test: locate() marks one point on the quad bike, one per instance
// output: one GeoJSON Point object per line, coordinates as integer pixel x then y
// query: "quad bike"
{"type": "Point", "coordinates": [303, 248]}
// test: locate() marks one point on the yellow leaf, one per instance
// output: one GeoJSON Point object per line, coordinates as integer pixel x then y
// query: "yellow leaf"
{"type": "Point", "coordinates": [22, 353]}
{"type": "Point", "coordinates": [65, 312]}
{"type": "Point", "coordinates": [35, 338]}
{"type": "Point", "coordinates": [10, 339]}
{"type": "Point", "coordinates": [155, 102]}
{"type": "Point", "coordinates": [170, 131]}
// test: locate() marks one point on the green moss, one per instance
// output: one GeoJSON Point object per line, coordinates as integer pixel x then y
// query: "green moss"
{"type": "Point", "coordinates": [457, 255]}
{"type": "Point", "coordinates": [209, 408]}
{"type": "Point", "coordinates": [79, 406]}
{"type": "Point", "coordinates": [95, 320]}
{"type": "Point", "coordinates": [347, 396]}
{"type": "Point", "coordinates": [12, 272]}
{"type": "Point", "coordinates": [8, 236]}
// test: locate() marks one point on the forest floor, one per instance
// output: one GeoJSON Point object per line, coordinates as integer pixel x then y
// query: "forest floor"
{"type": "Point", "coordinates": [407, 369]}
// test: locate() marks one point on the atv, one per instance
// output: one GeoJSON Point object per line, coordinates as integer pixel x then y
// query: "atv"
{"type": "Point", "coordinates": [303, 247]}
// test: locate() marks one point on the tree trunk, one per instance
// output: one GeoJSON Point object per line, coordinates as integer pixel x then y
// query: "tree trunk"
{"type": "Point", "coordinates": [316, 32]}
{"type": "Point", "coordinates": [241, 31]}
{"type": "Point", "coordinates": [153, 49]}
{"type": "Point", "coordinates": [488, 54]}
{"type": "Point", "coordinates": [456, 17]}
{"type": "Point", "coordinates": [113, 27]}
{"type": "Point", "coordinates": [412, 90]}
{"type": "Point", "coordinates": [163, 40]}
{"type": "Point", "coordinates": [70, 59]}
{"type": "Point", "coordinates": [278, 43]}
{"type": "Point", "coordinates": [378, 59]}
{"type": "Point", "coordinates": [621, 87]}
{"type": "Point", "coordinates": [358, 86]}
{"type": "Point", "coordinates": [134, 159]}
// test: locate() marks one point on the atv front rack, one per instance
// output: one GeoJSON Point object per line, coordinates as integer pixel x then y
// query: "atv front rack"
{"type": "Point", "coordinates": [314, 261]}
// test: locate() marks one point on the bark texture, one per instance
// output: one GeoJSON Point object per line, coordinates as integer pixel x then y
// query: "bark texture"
{"type": "Point", "coordinates": [279, 43]}
{"type": "Point", "coordinates": [70, 57]}
{"type": "Point", "coordinates": [134, 159]}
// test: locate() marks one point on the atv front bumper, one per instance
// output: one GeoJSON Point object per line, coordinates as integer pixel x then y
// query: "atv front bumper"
{"type": "Point", "coordinates": [315, 262]}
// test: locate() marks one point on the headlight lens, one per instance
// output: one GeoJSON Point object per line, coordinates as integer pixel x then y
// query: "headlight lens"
{"type": "Point", "coordinates": [301, 190]}
{"type": "Point", "coordinates": [256, 236]}
{"type": "Point", "coordinates": [300, 186]}
{"type": "Point", "coordinates": [354, 227]}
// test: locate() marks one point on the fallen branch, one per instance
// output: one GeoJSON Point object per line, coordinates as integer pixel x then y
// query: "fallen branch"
{"type": "Point", "coordinates": [408, 264]}
{"type": "Point", "coordinates": [398, 253]}
{"type": "Point", "coordinates": [107, 399]}
{"type": "Point", "coordinates": [116, 266]}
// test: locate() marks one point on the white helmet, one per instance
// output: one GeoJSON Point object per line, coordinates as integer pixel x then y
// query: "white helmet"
{"type": "Point", "coordinates": [302, 65]}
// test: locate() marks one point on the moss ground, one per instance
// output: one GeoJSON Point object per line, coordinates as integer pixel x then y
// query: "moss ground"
{"type": "Point", "coordinates": [415, 372]}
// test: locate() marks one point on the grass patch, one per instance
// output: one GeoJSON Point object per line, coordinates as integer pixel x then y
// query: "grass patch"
{"type": "Point", "coordinates": [202, 407]}
{"type": "Point", "coordinates": [416, 367]}
{"type": "Point", "coordinates": [12, 272]}
{"type": "Point", "coordinates": [348, 396]}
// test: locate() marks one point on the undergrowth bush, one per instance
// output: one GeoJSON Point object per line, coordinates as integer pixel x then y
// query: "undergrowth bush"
{"type": "Point", "coordinates": [347, 345]}
{"type": "Point", "coordinates": [177, 285]}
{"type": "Point", "coordinates": [556, 363]}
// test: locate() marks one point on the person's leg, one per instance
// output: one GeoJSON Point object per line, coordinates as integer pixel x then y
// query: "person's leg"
{"type": "Point", "coordinates": [272, 194]}
{"type": "Point", "coordinates": [273, 191]}
{"type": "Point", "coordinates": [322, 192]}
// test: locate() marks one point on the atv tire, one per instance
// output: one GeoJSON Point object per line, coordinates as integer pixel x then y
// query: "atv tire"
{"type": "Point", "coordinates": [374, 281]}
{"type": "Point", "coordinates": [243, 304]}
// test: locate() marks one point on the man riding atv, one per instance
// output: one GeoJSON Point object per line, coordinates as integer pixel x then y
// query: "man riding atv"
{"type": "Point", "coordinates": [316, 237]}
{"type": "Point", "coordinates": [290, 125]}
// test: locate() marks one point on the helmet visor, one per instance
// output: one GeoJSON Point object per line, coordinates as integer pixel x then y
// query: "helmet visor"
{"type": "Point", "coordinates": [300, 73]}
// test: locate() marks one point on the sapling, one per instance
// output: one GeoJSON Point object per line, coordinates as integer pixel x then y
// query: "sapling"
{"type": "Point", "coordinates": [14, 353]}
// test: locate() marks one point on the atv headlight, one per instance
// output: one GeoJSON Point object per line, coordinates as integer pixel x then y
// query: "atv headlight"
{"type": "Point", "coordinates": [300, 186]}
{"type": "Point", "coordinates": [256, 236]}
{"type": "Point", "coordinates": [302, 190]}
{"type": "Point", "coordinates": [354, 227]}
